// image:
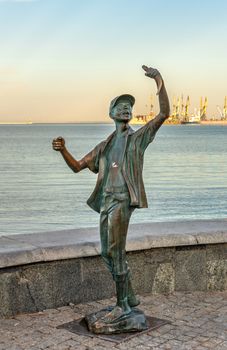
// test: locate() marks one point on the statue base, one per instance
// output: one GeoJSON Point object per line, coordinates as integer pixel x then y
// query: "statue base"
{"type": "Point", "coordinates": [135, 321]}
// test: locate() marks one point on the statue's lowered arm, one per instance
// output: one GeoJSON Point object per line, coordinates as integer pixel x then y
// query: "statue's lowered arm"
{"type": "Point", "coordinates": [76, 165]}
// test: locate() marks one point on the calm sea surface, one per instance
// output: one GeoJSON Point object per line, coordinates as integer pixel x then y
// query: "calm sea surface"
{"type": "Point", "coordinates": [185, 175]}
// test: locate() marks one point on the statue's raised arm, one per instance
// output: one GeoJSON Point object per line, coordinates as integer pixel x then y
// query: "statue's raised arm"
{"type": "Point", "coordinates": [162, 94]}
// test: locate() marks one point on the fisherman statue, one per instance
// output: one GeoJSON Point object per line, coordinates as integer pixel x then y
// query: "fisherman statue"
{"type": "Point", "coordinates": [119, 190]}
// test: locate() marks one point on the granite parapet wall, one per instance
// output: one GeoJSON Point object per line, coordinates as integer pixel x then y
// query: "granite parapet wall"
{"type": "Point", "coordinates": [40, 272]}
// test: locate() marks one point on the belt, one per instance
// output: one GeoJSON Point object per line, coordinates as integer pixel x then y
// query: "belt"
{"type": "Point", "coordinates": [116, 189]}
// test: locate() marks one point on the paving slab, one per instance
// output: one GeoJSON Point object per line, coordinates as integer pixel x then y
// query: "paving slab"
{"type": "Point", "coordinates": [198, 321]}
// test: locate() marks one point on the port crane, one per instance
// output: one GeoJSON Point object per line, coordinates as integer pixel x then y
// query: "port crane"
{"type": "Point", "coordinates": [223, 113]}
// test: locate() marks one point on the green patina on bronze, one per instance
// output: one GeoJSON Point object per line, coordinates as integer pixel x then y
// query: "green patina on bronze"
{"type": "Point", "coordinates": [119, 190]}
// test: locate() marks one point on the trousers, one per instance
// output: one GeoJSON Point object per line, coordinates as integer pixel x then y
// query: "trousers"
{"type": "Point", "coordinates": [115, 214]}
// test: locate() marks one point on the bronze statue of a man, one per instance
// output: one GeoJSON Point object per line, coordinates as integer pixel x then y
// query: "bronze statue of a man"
{"type": "Point", "coordinates": [119, 189]}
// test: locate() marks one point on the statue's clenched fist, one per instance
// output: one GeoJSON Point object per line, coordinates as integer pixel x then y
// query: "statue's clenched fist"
{"type": "Point", "coordinates": [154, 74]}
{"type": "Point", "coordinates": [150, 72]}
{"type": "Point", "coordinates": [58, 144]}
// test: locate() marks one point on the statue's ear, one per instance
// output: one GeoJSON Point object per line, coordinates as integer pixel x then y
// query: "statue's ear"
{"type": "Point", "coordinates": [111, 113]}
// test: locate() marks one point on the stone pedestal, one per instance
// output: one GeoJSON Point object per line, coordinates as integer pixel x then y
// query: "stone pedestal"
{"type": "Point", "coordinates": [135, 321]}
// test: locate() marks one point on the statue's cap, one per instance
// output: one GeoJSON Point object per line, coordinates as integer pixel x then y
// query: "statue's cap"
{"type": "Point", "coordinates": [124, 97]}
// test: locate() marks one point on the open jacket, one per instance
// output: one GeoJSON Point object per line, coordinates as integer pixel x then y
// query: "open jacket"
{"type": "Point", "coordinates": [136, 144]}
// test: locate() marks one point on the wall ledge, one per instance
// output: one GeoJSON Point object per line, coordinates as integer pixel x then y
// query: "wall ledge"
{"type": "Point", "coordinates": [23, 249]}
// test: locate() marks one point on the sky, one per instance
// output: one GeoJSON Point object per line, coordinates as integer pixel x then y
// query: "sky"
{"type": "Point", "coordinates": [65, 60]}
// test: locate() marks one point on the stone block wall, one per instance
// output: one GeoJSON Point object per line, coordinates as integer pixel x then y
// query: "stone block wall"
{"type": "Point", "coordinates": [42, 285]}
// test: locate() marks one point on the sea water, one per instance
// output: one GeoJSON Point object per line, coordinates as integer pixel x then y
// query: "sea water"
{"type": "Point", "coordinates": [185, 176]}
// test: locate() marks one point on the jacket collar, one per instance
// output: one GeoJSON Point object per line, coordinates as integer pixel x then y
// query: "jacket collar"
{"type": "Point", "coordinates": [129, 131]}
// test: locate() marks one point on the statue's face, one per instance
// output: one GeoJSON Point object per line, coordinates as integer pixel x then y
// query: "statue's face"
{"type": "Point", "coordinates": [122, 111]}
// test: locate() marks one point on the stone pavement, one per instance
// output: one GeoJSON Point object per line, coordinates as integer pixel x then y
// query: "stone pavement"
{"type": "Point", "coordinates": [199, 321]}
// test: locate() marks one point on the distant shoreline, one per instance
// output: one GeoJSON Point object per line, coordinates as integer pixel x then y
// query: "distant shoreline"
{"type": "Point", "coordinates": [207, 122]}
{"type": "Point", "coordinates": [214, 122]}
{"type": "Point", "coordinates": [54, 123]}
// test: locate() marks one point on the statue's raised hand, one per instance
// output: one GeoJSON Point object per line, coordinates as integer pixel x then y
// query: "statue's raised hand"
{"type": "Point", "coordinates": [154, 74]}
{"type": "Point", "coordinates": [58, 144]}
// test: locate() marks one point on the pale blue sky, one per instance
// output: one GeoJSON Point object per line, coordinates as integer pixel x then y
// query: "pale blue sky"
{"type": "Point", "coordinates": [64, 60]}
